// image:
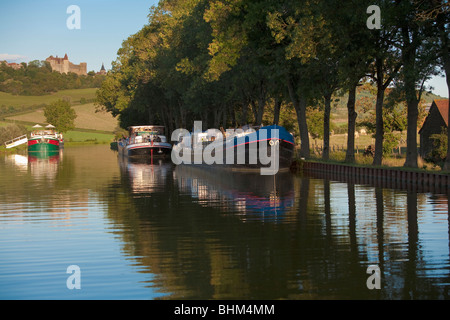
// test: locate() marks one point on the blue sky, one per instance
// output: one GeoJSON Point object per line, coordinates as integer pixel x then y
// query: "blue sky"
{"type": "Point", "coordinates": [36, 29]}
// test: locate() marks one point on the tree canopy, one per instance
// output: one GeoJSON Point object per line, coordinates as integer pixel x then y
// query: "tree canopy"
{"type": "Point", "coordinates": [229, 62]}
{"type": "Point", "coordinates": [37, 78]}
{"type": "Point", "coordinates": [60, 114]}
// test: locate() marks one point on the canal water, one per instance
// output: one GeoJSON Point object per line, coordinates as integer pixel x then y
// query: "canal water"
{"type": "Point", "coordinates": [142, 231]}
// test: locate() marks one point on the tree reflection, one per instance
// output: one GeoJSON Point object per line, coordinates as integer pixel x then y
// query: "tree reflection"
{"type": "Point", "coordinates": [206, 235]}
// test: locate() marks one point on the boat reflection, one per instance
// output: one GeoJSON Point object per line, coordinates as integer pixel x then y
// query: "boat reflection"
{"type": "Point", "coordinates": [40, 165]}
{"type": "Point", "coordinates": [184, 225]}
{"type": "Point", "coordinates": [44, 165]}
{"type": "Point", "coordinates": [19, 161]}
{"type": "Point", "coordinates": [145, 177]}
{"type": "Point", "coordinates": [243, 193]}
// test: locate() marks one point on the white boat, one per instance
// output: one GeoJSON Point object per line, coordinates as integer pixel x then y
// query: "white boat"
{"type": "Point", "coordinates": [146, 141]}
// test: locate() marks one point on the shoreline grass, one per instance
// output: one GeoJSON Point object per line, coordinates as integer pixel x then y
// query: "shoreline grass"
{"type": "Point", "coordinates": [72, 138]}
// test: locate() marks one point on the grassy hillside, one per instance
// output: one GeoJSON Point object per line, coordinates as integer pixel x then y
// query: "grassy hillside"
{"type": "Point", "coordinates": [8, 100]}
{"type": "Point", "coordinates": [87, 118]}
{"type": "Point", "coordinates": [29, 109]}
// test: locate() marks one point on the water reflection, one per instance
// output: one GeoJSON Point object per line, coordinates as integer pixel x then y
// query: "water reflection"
{"type": "Point", "coordinates": [246, 194]}
{"type": "Point", "coordinates": [40, 165]}
{"type": "Point", "coordinates": [173, 232]}
{"type": "Point", "coordinates": [205, 235]}
{"type": "Point", "coordinates": [145, 177]}
{"type": "Point", "coordinates": [44, 166]}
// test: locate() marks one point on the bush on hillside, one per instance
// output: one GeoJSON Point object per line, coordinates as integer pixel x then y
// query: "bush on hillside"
{"type": "Point", "coordinates": [11, 131]}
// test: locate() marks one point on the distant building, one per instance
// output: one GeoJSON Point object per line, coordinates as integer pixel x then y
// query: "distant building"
{"type": "Point", "coordinates": [436, 120]}
{"type": "Point", "coordinates": [13, 64]}
{"type": "Point", "coordinates": [63, 65]}
{"type": "Point", "coordinates": [102, 70]}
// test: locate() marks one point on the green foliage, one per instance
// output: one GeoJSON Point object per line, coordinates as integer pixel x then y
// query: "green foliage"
{"type": "Point", "coordinates": [37, 79]}
{"type": "Point", "coordinates": [439, 151]}
{"type": "Point", "coordinates": [60, 114]}
{"type": "Point", "coordinates": [225, 62]}
{"type": "Point", "coordinates": [119, 133]}
{"type": "Point", "coordinates": [315, 122]}
{"type": "Point", "coordinates": [10, 132]}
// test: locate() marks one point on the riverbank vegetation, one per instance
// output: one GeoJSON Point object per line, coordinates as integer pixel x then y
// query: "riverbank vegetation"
{"type": "Point", "coordinates": [90, 126]}
{"type": "Point", "coordinates": [229, 63]}
{"type": "Point", "coordinates": [10, 131]}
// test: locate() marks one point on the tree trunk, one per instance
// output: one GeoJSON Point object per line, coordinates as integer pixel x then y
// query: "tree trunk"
{"type": "Point", "coordinates": [205, 118]}
{"type": "Point", "coordinates": [446, 58]}
{"type": "Point", "coordinates": [177, 120]}
{"type": "Point", "coordinates": [304, 135]}
{"type": "Point", "coordinates": [411, 133]}
{"type": "Point", "coordinates": [217, 117]}
{"type": "Point", "coordinates": [168, 114]}
{"type": "Point", "coordinates": [244, 114]}
{"type": "Point", "coordinates": [255, 112]}
{"type": "Point", "coordinates": [225, 118]}
{"type": "Point", "coordinates": [300, 109]}
{"type": "Point", "coordinates": [233, 117]}
{"type": "Point", "coordinates": [326, 127]}
{"type": "Point", "coordinates": [261, 104]}
{"type": "Point", "coordinates": [409, 58]}
{"type": "Point", "coordinates": [350, 155]}
{"type": "Point", "coordinates": [183, 116]}
{"type": "Point", "coordinates": [276, 111]}
{"type": "Point", "coordinates": [379, 125]}
{"type": "Point", "coordinates": [151, 116]}
{"type": "Point", "coordinates": [447, 160]}
{"type": "Point", "coordinates": [259, 120]}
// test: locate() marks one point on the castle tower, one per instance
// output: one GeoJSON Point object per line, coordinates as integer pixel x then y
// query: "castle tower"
{"type": "Point", "coordinates": [102, 70]}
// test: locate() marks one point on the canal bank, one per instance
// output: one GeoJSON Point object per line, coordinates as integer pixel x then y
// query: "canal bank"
{"type": "Point", "coordinates": [395, 178]}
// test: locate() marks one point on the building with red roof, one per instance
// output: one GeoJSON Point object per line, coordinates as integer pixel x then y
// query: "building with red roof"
{"type": "Point", "coordinates": [63, 65]}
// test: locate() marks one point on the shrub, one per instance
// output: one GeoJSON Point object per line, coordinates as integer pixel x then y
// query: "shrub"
{"type": "Point", "coordinates": [11, 131]}
{"type": "Point", "coordinates": [439, 151]}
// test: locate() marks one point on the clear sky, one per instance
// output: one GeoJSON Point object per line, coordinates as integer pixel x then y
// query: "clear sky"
{"type": "Point", "coordinates": [35, 29]}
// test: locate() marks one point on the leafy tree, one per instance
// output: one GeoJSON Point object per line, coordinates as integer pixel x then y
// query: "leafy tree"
{"type": "Point", "coordinates": [440, 144]}
{"type": "Point", "coordinates": [236, 61]}
{"type": "Point", "coordinates": [60, 114]}
{"type": "Point", "coordinates": [419, 63]}
{"type": "Point", "coordinates": [384, 68]}
{"type": "Point", "coordinates": [437, 14]}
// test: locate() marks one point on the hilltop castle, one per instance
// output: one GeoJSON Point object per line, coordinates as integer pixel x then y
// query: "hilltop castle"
{"type": "Point", "coordinates": [63, 65]}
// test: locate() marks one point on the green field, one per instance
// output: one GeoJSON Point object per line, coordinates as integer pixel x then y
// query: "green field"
{"type": "Point", "coordinates": [90, 126]}
{"type": "Point", "coordinates": [74, 95]}
{"type": "Point", "coordinates": [87, 118]}
{"type": "Point", "coordinates": [72, 137]}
